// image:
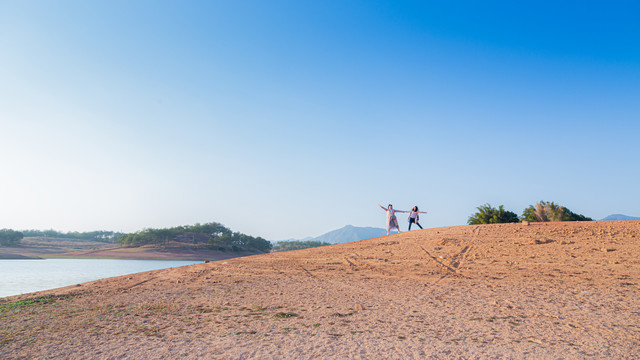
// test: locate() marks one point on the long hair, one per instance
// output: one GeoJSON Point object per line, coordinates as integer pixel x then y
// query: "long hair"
{"type": "Point", "coordinates": [415, 209]}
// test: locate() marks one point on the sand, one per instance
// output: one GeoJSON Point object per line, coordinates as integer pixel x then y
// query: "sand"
{"type": "Point", "coordinates": [539, 291]}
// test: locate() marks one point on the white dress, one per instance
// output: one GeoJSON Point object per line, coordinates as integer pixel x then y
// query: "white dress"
{"type": "Point", "coordinates": [392, 220]}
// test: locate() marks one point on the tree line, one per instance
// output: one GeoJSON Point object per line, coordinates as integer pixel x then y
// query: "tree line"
{"type": "Point", "coordinates": [540, 212]}
{"type": "Point", "coordinates": [99, 235]}
{"type": "Point", "coordinates": [10, 237]}
{"type": "Point", "coordinates": [210, 235]}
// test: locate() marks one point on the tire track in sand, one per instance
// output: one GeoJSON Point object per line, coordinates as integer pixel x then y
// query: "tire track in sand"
{"type": "Point", "coordinates": [459, 258]}
{"type": "Point", "coordinates": [361, 264]}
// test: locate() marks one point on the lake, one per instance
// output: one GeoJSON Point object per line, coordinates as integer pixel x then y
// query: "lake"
{"type": "Point", "coordinates": [25, 276]}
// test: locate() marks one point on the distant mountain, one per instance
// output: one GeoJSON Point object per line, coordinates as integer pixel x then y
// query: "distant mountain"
{"type": "Point", "coordinates": [620, 217]}
{"type": "Point", "coordinates": [346, 234]}
{"type": "Point", "coordinates": [350, 233]}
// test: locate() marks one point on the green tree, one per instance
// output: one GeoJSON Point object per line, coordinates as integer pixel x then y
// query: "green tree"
{"type": "Point", "coordinates": [211, 234]}
{"type": "Point", "coordinates": [222, 242]}
{"type": "Point", "coordinates": [571, 216]}
{"type": "Point", "coordinates": [549, 211]}
{"type": "Point", "coordinates": [487, 214]}
{"type": "Point", "coordinates": [102, 236]}
{"type": "Point", "coordinates": [10, 237]}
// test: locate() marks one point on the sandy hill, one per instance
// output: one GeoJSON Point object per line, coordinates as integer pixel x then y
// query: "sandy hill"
{"type": "Point", "coordinates": [539, 291]}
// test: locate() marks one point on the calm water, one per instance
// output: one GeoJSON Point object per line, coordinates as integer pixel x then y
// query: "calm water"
{"type": "Point", "coordinates": [25, 276]}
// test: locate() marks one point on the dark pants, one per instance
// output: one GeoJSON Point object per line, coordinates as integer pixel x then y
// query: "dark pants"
{"type": "Point", "coordinates": [411, 221]}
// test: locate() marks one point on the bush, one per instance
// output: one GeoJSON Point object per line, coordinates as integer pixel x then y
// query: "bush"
{"type": "Point", "coordinates": [487, 214]}
{"type": "Point", "coordinates": [549, 211]}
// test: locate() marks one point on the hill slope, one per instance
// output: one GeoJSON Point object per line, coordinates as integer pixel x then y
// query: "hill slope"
{"type": "Point", "coordinates": [543, 290]}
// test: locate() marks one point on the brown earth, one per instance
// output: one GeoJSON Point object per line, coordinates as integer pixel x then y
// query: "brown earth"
{"type": "Point", "coordinates": [47, 247]}
{"type": "Point", "coordinates": [540, 291]}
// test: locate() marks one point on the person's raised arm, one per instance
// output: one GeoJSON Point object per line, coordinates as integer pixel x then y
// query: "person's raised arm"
{"type": "Point", "coordinates": [382, 207]}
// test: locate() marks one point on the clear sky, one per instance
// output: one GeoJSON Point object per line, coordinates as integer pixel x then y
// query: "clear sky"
{"type": "Point", "coordinates": [287, 119]}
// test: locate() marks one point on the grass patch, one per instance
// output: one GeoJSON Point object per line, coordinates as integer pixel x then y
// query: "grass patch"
{"type": "Point", "coordinates": [343, 315]}
{"type": "Point", "coordinates": [204, 310]}
{"type": "Point", "coordinates": [257, 310]}
{"type": "Point", "coordinates": [284, 315]}
{"type": "Point", "coordinates": [40, 300]}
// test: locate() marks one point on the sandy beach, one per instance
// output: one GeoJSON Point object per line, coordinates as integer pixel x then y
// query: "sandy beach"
{"type": "Point", "coordinates": [564, 290]}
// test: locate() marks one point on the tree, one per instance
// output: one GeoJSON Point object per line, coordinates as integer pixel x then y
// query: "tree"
{"type": "Point", "coordinates": [571, 216]}
{"type": "Point", "coordinates": [212, 235]}
{"type": "Point", "coordinates": [549, 211]}
{"type": "Point", "coordinates": [10, 237]}
{"type": "Point", "coordinates": [543, 211]}
{"type": "Point", "coordinates": [487, 214]}
{"type": "Point", "coordinates": [100, 235]}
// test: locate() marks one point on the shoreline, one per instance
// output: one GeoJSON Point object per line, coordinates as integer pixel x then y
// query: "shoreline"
{"type": "Point", "coordinates": [19, 257]}
{"type": "Point", "coordinates": [124, 253]}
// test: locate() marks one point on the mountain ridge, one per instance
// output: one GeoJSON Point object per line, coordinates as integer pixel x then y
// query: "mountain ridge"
{"type": "Point", "coordinates": [345, 234]}
{"type": "Point", "coordinates": [619, 217]}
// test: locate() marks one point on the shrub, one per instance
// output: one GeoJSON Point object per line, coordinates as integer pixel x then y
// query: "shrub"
{"type": "Point", "coordinates": [487, 214]}
{"type": "Point", "coordinates": [550, 211]}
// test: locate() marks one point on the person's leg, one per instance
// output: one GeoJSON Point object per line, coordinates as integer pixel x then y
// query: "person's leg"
{"type": "Point", "coordinates": [417, 223]}
{"type": "Point", "coordinates": [410, 222]}
{"type": "Point", "coordinates": [394, 224]}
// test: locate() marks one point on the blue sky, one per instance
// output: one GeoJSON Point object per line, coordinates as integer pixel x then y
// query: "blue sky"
{"type": "Point", "coordinates": [287, 119]}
